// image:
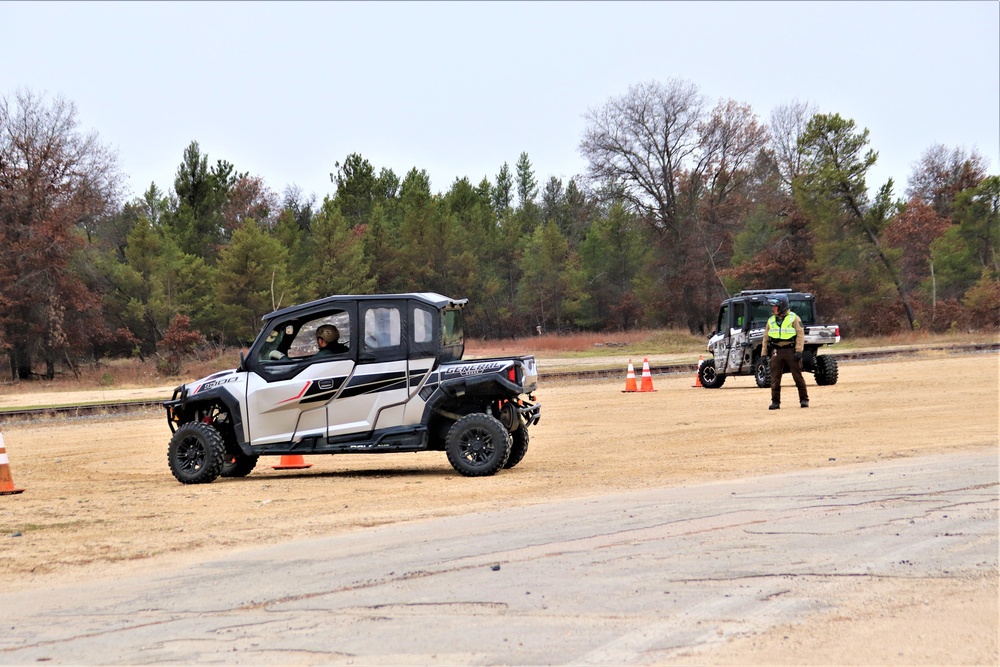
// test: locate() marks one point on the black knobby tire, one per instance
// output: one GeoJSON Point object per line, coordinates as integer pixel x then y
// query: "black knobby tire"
{"type": "Point", "coordinates": [762, 372]}
{"type": "Point", "coordinates": [518, 445]}
{"type": "Point", "coordinates": [826, 370]}
{"type": "Point", "coordinates": [809, 360]}
{"type": "Point", "coordinates": [197, 453]}
{"type": "Point", "coordinates": [477, 445]}
{"type": "Point", "coordinates": [709, 378]}
{"type": "Point", "coordinates": [238, 464]}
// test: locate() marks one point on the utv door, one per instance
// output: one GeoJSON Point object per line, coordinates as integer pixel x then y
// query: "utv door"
{"type": "Point", "coordinates": [739, 353]}
{"type": "Point", "coordinates": [290, 381]}
{"type": "Point", "coordinates": [424, 331]}
{"type": "Point", "coordinates": [375, 395]}
{"type": "Point", "coordinates": [729, 353]}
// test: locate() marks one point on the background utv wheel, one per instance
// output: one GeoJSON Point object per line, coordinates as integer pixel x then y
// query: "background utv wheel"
{"type": "Point", "coordinates": [518, 445]}
{"type": "Point", "coordinates": [762, 372]}
{"type": "Point", "coordinates": [196, 454]}
{"type": "Point", "coordinates": [477, 445]}
{"type": "Point", "coordinates": [809, 360]}
{"type": "Point", "coordinates": [826, 370]}
{"type": "Point", "coordinates": [709, 378]}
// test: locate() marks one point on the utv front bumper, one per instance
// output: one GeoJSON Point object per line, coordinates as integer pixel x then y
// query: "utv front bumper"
{"type": "Point", "coordinates": [175, 407]}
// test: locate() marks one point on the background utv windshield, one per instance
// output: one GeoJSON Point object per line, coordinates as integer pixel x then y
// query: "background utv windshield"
{"type": "Point", "coordinates": [801, 307]}
{"type": "Point", "coordinates": [452, 334]}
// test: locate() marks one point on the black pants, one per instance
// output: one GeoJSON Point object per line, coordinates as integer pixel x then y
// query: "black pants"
{"type": "Point", "coordinates": [783, 358]}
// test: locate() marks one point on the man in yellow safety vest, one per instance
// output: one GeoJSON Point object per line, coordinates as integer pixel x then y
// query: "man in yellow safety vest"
{"type": "Point", "coordinates": [784, 340]}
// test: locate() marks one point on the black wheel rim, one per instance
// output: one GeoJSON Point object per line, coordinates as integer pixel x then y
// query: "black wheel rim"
{"type": "Point", "coordinates": [476, 446]}
{"type": "Point", "coordinates": [191, 455]}
{"type": "Point", "coordinates": [709, 373]}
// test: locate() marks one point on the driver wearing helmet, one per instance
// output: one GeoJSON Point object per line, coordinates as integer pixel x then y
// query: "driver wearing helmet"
{"type": "Point", "coordinates": [784, 340]}
{"type": "Point", "coordinates": [328, 341]}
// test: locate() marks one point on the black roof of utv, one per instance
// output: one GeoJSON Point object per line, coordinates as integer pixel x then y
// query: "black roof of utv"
{"type": "Point", "coordinates": [751, 293]}
{"type": "Point", "coordinates": [431, 298]}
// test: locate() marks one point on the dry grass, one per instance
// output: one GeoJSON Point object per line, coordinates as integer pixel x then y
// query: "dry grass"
{"type": "Point", "coordinates": [921, 338]}
{"type": "Point", "coordinates": [590, 344]}
{"type": "Point", "coordinates": [125, 374]}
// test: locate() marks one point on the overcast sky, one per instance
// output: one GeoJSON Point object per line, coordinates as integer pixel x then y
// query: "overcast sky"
{"type": "Point", "coordinates": [285, 90]}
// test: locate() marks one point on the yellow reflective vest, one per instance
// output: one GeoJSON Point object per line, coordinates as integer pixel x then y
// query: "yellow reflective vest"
{"type": "Point", "coordinates": [784, 331]}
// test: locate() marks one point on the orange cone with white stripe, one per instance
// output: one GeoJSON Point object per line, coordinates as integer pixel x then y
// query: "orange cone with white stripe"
{"type": "Point", "coordinates": [6, 481]}
{"type": "Point", "coordinates": [292, 462]}
{"type": "Point", "coordinates": [647, 377]}
{"type": "Point", "coordinates": [630, 379]}
{"type": "Point", "coordinates": [697, 373]}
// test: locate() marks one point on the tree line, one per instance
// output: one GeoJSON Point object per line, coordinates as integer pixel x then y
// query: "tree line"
{"type": "Point", "coordinates": [682, 204]}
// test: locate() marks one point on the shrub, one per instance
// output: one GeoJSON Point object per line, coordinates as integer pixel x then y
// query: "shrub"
{"type": "Point", "coordinates": [178, 341]}
{"type": "Point", "coordinates": [982, 303]}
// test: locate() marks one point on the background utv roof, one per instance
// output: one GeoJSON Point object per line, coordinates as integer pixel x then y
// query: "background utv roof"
{"type": "Point", "coordinates": [432, 298]}
{"type": "Point", "coordinates": [761, 295]}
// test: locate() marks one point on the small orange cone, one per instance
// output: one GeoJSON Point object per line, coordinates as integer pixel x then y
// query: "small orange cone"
{"type": "Point", "coordinates": [697, 373]}
{"type": "Point", "coordinates": [630, 379]}
{"type": "Point", "coordinates": [292, 462]}
{"type": "Point", "coordinates": [647, 377]}
{"type": "Point", "coordinates": [6, 481]}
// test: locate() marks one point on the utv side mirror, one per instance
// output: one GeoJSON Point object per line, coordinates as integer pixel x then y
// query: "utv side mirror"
{"type": "Point", "coordinates": [243, 360]}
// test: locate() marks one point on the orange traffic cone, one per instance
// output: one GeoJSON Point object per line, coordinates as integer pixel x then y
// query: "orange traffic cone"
{"type": "Point", "coordinates": [697, 373]}
{"type": "Point", "coordinates": [292, 462]}
{"type": "Point", "coordinates": [6, 481]}
{"type": "Point", "coordinates": [647, 377]}
{"type": "Point", "coordinates": [630, 379]}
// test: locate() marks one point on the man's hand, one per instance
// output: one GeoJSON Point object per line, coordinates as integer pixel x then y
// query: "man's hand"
{"type": "Point", "coordinates": [798, 358]}
{"type": "Point", "coordinates": [275, 355]}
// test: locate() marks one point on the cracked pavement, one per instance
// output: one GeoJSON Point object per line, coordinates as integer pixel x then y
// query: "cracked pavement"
{"type": "Point", "coordinates": [630, 578]}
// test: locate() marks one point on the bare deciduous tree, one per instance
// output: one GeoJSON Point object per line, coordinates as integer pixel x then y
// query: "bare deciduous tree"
{"type": "Point", "coordinates": [732, 142]}
{"type": "Point", "coordinates": [732, 139]}
{"type": "Point", "coordinates": [940, 174]}
{"type": "Point", "coordinates": [250, 199]}
{"type": "Point", "coordinates": [646, 142]}
{"type": "Point", "coordinates": [54, 182]}
{"type": "Point", "coordinates": [677, 164]}
{"type": "Point", "coordinates": [788, 122]}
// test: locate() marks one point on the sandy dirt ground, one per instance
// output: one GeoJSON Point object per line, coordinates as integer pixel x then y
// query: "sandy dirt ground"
{"type": "Point", "coordinates": [100, 500]}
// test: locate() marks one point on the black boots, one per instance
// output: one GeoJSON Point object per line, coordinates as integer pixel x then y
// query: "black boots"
{"type": "Point", "coordinates": [777, 406]}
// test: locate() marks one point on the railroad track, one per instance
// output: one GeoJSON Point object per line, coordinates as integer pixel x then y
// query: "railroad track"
{"type": "Point", "coordinates": [99, 409]}
{"type": "Point", "coordinates": [88, 410]}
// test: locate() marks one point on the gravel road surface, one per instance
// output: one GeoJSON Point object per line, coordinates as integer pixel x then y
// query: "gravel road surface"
{"type": "Point", "coordinates": [639, 578]}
